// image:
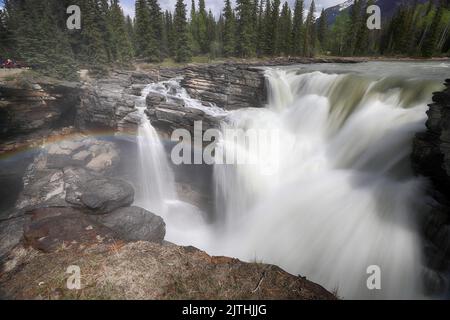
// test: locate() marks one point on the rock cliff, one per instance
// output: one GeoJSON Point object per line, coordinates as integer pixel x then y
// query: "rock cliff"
{"type": "Point", "coordinates": [228, 86]}
{"type": "Point", "coordinates": [431, 158]}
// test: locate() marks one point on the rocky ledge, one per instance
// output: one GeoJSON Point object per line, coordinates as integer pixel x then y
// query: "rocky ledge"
{"type": "Point", "coordinates": [167, 115]}
{"type": "Point", "coordinates": [431, 158]}
{"type": "Point", "coordinates": [36, 108]}
{"type": "Point", "coordinates": [228, 86]}
{"type": "Point", "coordinates": [145, 270]}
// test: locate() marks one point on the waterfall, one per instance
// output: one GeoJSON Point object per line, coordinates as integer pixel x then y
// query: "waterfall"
{"type": "Point", "coordinates": [343, 197]}
{"type": "Point", "coordinates": [156, 190]}
{"type": "Point", "coordinates": [156, 177]}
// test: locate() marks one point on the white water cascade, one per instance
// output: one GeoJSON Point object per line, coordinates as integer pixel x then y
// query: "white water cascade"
{"type": "Point", "coordinates": [157, 192]}
{"type": "Point", "coordinates": [343, 197]}
{"type": "Point", "coordinates": [157, 181]}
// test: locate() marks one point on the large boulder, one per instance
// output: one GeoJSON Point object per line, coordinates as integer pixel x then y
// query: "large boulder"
{"type": "Point", "coordinates": [62, 168]}
{"type": "Point", "coordinates": [134, 224]}
{"type": "Point", "coordinates": [103, 195]}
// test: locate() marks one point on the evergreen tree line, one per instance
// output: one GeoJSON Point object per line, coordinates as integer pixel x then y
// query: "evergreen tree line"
{"type": "Point", "coordinates": [36, 32]}
{"type": "Point", "coordinates": [415, 30]}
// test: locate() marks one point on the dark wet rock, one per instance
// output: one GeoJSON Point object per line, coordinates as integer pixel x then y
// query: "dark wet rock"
{"type": "Point", "coordinates": [41, 186]}
{"type": "Point", "coordinates": [74, 180]}
{"type": "Point", "coordinates": [109, 102]}
{"type": "Point", "coordinates": [11, 232]}
{"type": "Point", "coordinates": [135, 224]}
{"type": "Point", "coordinates": [434, 282]}
{"type": "Point", "coordinates": [431, 158]}
{"type": "Point", "coordinates": [50, 229]}
{"type": "Point", "coordinates": [154, 99]}
{"type": "Point", "coordinates": [104, 195]}
{"type": "Point", "coordinates": [170, 116]}
{"type": "Point", "coordinates": [130, 123]}
{"type": "Point", "coordinates": [106, 101]}
{"type": "Point", "coordinates": [431, 154]}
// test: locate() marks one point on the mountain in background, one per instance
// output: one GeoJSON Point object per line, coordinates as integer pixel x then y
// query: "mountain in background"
{"type": "Point", "coordinates": [388, 8]}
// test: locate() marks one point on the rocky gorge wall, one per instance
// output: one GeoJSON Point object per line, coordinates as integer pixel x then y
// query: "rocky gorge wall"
{"type": "Point", "coordinates": [431, 158]}
{"type": "Point", "coordinates": [228, 86]}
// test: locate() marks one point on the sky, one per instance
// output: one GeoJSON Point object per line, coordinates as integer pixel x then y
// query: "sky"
{"type": "Point", "coordinates": [217, 5]}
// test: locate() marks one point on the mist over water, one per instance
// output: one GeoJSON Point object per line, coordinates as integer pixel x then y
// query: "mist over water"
{"type": "Point", "coordinates": [343, 196]}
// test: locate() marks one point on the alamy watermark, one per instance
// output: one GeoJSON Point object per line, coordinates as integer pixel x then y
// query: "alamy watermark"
{"type": "Point", "coordinates": [231, 146]}
{"type": "Point", "coordinates": [374, 280]}
{"type": "Point", "coordinates": [374, 20]}
{"type": "Point", "coordinates": [74, 280]}
{"type": "Point", "coordinates": [74, 20]}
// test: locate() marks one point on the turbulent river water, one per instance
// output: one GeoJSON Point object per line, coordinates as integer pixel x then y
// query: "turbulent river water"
{"type": "Point", "coordinates": [342, 196]}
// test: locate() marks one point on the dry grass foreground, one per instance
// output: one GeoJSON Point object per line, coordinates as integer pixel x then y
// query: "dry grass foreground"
{"type": "Point", "coordinates": [144, 270]}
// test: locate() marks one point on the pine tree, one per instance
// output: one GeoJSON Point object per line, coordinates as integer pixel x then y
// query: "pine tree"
{"type": "Point", "coordinates": [260, 29]}
{"type": "Point", "coordinates": [203, 32]}
{"type": "Point", "coordinates": [211, 26]}
{"type": "Point", "coordinates": [121, 42]}
{"type": "Point", "coordinates": [217, 46]}
{"type": "Point", "coordinates": [362, 37]}
{"type": "Point", "coordinates": [272, 28]}
{"type": "Point", "coordinates": [171, 37]}
{"type": "Point", "coordinates": [40, 43]}
{"type": "Point", "coordinates": [5, 35]}
{"type": "Point", "coordinates": [297, 29]}
{"type": "Point", "coordinates": [353, 26]}
{"type": "Point", "coordinates": [284, 31]}
{"type": "Point", "coordinates": [143, 35]}
{"type": "Point", "coordinates": [246, 31]}
{"type": "Point", "coordinates": [429, 45]}
{"type": "Point", "coordinates": [194, 35]}
{"type": "Point", "coordinates": [310, 35]}
{"type": "Point", "coordinates": [156, 24]}
{"type": "Point", "coordinates": [266, 40]}
{"type": "Point", "coordinates": [322, 29]}
{"type": "Point", "coordinates": [130, 31]}
{"type": "Point", "coordinates": [165, 52]}
{"type": "Point", "coordinates": [102, 11]}
{"type": "Point", "coordinates": [229, 40]}
{"type": "Point", "coordinates": [182, 50]}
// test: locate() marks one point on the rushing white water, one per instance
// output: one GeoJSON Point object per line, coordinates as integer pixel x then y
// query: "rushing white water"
{"type": "Point", "coordinates": [157, 181]}
{"type": "Point", "coordinates": [157, 192]}
{"type": "Point", "coordinates": [343, 197]}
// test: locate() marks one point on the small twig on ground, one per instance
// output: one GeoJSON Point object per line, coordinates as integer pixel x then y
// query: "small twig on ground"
{"type": "Point", "coordinates": [259, 283]}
